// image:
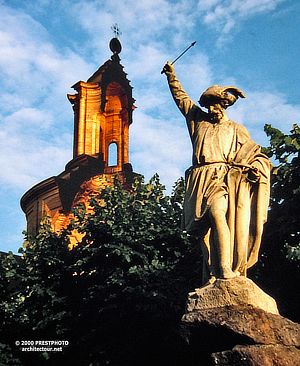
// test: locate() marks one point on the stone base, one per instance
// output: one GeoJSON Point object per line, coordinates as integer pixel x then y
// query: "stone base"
{"type": "Point", "coordinates": [238, 291]}
{"type": "Point", "coordinates": [233, 322]}
{"type": "Point", "coordinates": [244, 325]}
{"type": "Point", "coordinates": [258, 355]}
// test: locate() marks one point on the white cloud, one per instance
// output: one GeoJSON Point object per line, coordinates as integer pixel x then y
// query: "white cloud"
{"type": "Point", "coordinates": [30, 65]}
{"type": "Point", "coordinates": [195, 74]}
{"type": "Point", "coordinates": [224, 16]}
{"type": "Point", "coordinates": [160, 146]}
{"type": "Point", "coordinates": [26, 160]}
{"type": "Point", "coordinates": [36, 118]}
{"type": "Point", "coordinates": [141, 22]}
{"type": "Point", "coordinates": [260, 108]}
{"type": "Point", "coordinates": [146, 62]}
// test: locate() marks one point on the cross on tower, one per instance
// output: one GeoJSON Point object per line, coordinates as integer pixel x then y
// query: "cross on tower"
{"type": "Point", "coordinates": [115, 28]}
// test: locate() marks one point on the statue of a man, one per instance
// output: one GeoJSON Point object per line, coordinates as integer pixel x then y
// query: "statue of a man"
{"type": "Point", "coordinates": [228, 185]}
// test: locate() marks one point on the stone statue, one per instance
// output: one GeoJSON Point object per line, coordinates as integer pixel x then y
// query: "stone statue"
{"type": "Point", "coordinates": [227, 187]}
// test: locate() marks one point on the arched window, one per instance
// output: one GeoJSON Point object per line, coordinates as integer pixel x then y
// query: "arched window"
{"type": "Point", "coordinates": [113, 154]}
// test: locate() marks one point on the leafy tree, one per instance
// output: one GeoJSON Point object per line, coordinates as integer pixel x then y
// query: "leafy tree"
{"type": "Point", "coordinates": [117, 296]}
{"type": "Point", "coordinates": [8, 280]}
{"type": "Point", "coordinates": [280, 260]}
{"type": "Point", "coordinates": [285, 200]}
{"type": "Point", "coordinates": [36, 293]}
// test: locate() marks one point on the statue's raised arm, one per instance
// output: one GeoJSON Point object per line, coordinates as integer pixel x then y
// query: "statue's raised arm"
{"type": "Point", "coordinates": [185, 104]}
{"type": "Point", "coordinates": [183, 101]}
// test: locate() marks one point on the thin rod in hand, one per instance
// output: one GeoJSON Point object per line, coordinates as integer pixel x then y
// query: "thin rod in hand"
{"type": "Point", "coordinates": [177, 58]}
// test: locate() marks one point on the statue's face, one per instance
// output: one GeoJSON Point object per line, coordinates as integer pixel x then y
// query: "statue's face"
{"type": "Point", "coordinates": [216, 112]}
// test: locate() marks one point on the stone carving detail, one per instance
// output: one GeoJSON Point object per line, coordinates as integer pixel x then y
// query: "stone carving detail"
{"type": "Point", "coordinates": [89, 189]}
{"type": "Point", "coordinates": [227, 187]}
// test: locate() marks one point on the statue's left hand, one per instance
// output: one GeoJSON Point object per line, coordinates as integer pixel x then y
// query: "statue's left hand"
{"type": "Point", "coordinates": [253, 175]}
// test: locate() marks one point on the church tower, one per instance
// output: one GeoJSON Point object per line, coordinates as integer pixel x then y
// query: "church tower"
{"type": "Point", "coordinates": [103, 107]}
{"type": "Point", "coordinates": [102, 114]}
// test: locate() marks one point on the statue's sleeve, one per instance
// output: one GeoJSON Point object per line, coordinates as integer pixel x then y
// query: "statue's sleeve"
{"type": "Point", "coordinates": [183, 101]}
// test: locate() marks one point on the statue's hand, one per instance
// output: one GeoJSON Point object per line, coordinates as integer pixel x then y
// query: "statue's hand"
{"type": "Point", "coordinates": [253, 175]}
{"type": "Point", "coordinates": [168, 68]}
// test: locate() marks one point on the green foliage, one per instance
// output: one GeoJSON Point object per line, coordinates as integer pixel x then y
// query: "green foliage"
{"type": "Point", "coordinates": [6, 356]}
{"type": "Point", "coordinates": [9, 280]}
{"type": "Point", "coordinates": [293, 253]}
{"type": "Point", "coordinates": [278, 269]}
{"type": "Point", "coordinates": [45, 258]}
{"type": "Point", "coordinates": [285, 200]}
{"type": "Point", "coordinates": [118, 295]}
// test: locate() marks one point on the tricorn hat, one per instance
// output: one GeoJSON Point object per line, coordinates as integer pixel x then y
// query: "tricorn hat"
{"type": "Point", "coordinates": [216, 93]}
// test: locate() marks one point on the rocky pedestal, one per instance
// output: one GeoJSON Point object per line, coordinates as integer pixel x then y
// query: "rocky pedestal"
{"type": "Point", "coordinates": [233, 322]}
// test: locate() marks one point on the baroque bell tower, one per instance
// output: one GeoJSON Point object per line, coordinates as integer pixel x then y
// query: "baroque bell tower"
{"type": "Point", "coordinates": [102, 114]}
{"type": "Point", "coordinates": [103, 107]}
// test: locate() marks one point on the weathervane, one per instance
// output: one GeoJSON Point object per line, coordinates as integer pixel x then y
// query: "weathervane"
{"type": "Point", "coordinates": [115, 28]}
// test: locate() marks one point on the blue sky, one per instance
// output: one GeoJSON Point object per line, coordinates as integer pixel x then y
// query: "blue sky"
{"type": "Point", "coordinates": [47, 46]}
